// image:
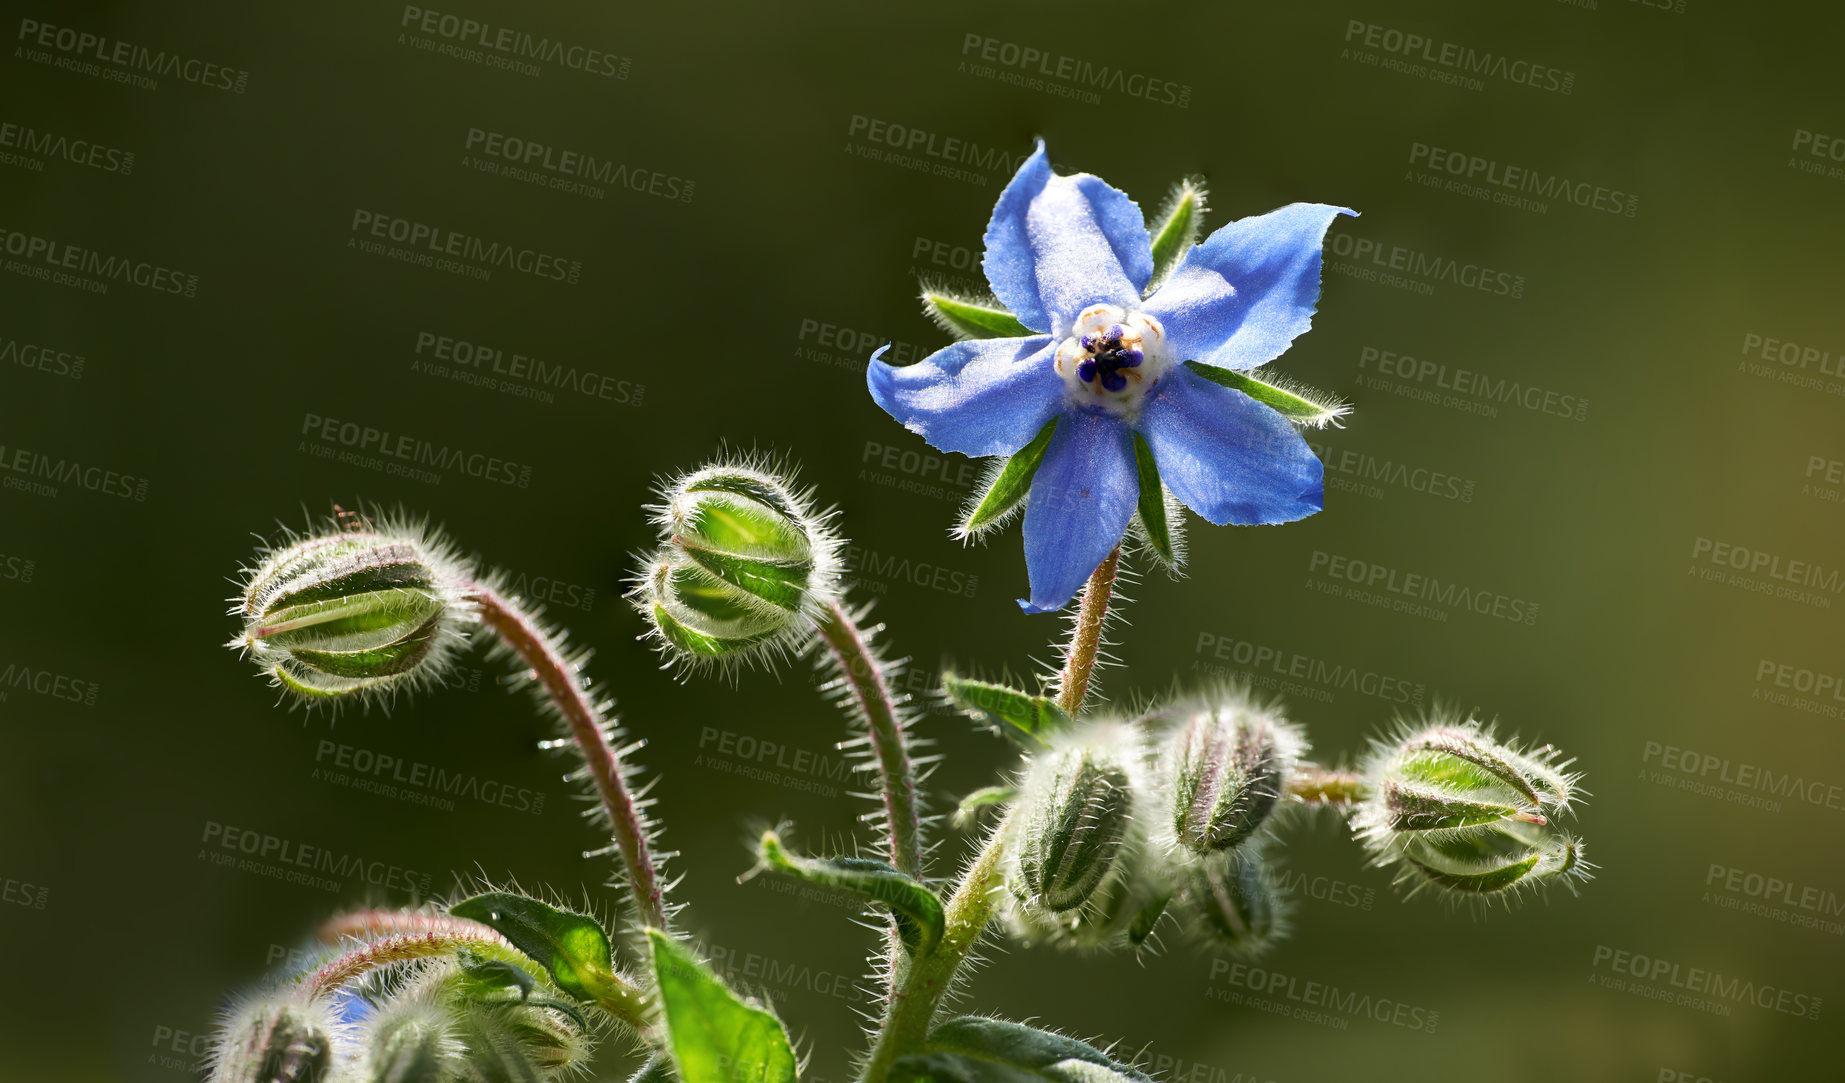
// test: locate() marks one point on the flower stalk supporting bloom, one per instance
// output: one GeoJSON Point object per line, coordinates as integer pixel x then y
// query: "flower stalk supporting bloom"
{"type": "Point", "coordinates": [1086, 639]}
{"type": "Point", "coordinates": [864, 676]}
{"type": "Point", "coordinates": [566, 691]}
{"type": "Point", "coordinates": [1317, 786]}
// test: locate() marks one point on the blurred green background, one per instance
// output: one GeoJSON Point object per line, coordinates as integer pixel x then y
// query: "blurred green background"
{"type": "Point", "coordinates": [739, 315]}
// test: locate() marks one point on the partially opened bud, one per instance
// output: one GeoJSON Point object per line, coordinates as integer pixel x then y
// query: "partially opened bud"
{"type": "Point", "coordinates": [1226, 763]}
{"type": "Point", "coordinates": [355, 610]}
{"type": "Point", "coordinates": [411, 1043]}
{"type": "Point", "coordinates": [276, 1040]}
{"type": "Point", "coordinates": [1233, 902]}
{"type": "Point", "coordinates": [1077, 815]}
{"type": "Point", "coordinates": [1463, 812]}
{"type": "Point", "coordinates": [743, 566]}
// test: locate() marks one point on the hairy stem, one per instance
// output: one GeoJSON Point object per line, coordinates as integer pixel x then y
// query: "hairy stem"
{"type": "Point", "coordinates": [567, 692]}
{"type": "Point", "coordinates": [1086, 638]}
{"type": "Point", "coordinates": [398, 948]}
{"type": "Point", "coordinates": [864, 675]}
{"type": "Point", "coordinates": [926, 981]}
{"type": "Point", "coordinates": [1318, 786]}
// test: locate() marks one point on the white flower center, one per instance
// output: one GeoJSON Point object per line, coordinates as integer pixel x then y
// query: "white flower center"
{"type": "Point", "coordinates": [1112, 358]}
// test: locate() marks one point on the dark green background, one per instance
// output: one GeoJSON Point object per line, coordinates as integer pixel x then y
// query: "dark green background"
{"type": "Point", "coordinates": [703, 302]}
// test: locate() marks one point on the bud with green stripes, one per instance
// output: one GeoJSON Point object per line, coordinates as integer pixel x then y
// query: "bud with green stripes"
{"type": "Point", "coordinates": [744, 567]}
{"type": "Point", "coordinates": [1464, 813]}
{"type": "Point", "coordinates": [355, 608]}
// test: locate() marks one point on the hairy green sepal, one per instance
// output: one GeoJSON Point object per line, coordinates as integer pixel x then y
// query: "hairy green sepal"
{"type": "Point", "coordinates": [975, 1049]}
{"type": "Point", "coordinates": [1011, 485]}
{"type": "Point", "coordinates": [917, 909]}
{"type": "Point", "coordinates": [572, 947]}
{"type": "Point", "coordinates": [973, 319]}
{"type": "Point", "coordinates": [1291, 404]}
{"type": "Point", "coordinates": [1020, 717]}
{"type": "Point", "coordinates": [1153, 521]}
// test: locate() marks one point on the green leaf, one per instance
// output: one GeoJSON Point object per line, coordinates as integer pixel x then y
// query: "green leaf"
{"type": "Point", "coordinates": [918, 910]}
{"type": "Point", "coordinates": [974, 1049]}
{"type": "Point", "coordinates": [571, 946]}
{"type": "Point", "coordinates": [974, 803]}
{"type": "Point", "coordinates": [1153, 521]}
{"type": "Point", "coordinates": [1009, 487]}
{"type": "Point", "coordinates": [1023, 718]}
{"type": "Point", "coordinates": [716, 1036]}
{"type": "Point", "coordinates": [1176, 229]}
{"type": "Point", "coordinates": [1297, 404]}
{"type": "Point", "coordinates": [966, 318]}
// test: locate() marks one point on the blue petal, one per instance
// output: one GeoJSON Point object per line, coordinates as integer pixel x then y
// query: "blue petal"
{"type": "Point", "coordinates": [1239, 298]}
{"type": "Point", "coordinates": [1227, 456]}
{"type": "Point", "coordinates": [987, 396]}
{"type": "Point", "coordinates": [1081, 500]}
{"type": "Point", "coordinates": [1057, 245]}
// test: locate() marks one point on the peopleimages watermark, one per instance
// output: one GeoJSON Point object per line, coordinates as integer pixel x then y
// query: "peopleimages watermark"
{"type": "Point", "coordinates": [17, 569]}
{"type": "Point", "coordinates": [569, 171]}
{"type": "Point", "coordinates": [747, 756]}
{"type": "Point", "coordinates": [1818, 153]}
{"type": "Point", "coordinates": [1170, 1069]}
{"type": "Point", "coordinates": [1409, 53]}
{"type": "Point", "coordinates": [1063, 76]}
{"type": "Point", "coordinates": [497, 368]}
{"type": "Point", "coordinates": [925, 151]}
{"type": "Point", "coordinates": [1734, 782]}
{"type": "Point", "coordinates": [414, 782]}
{"type": "Point", "coordinates": [39, 357]}
{"type": "Point", "coordinates": [1804, 689]}
{"type": "Point", "coordinates": [18, 677]}
{"type": "Point", "coordinates": [28, 471]}
{"type": "Point", "coordinates": [118, 61]}
{"type": "Point", "coordinates": [873, 569]}
{"type": "Point", "coordinates": [850, 348]}
{"type": "Point", "coordinates": [1392, 588]}
{"type": "Point", "coordinates": [1313, 1001]}
{"type": "Point", "coordinates": [88, 269]}
{"type": "Point", "coordinates": [30, 148]}
{"type": "Point", "coordinates": [23, 893]}
{"type": "Point", "coordinates": [1414, 270]}
{"type": "Point", "coordinates": [1517, 186]}
{"type": "Point", "coordinates": [301, 863]}
{"type": "Point", "coordinates": [1694, 987]}
{"type": "Point", "coordinates": [923, 473]}
{"type": "Point", "coordinates": [403, 455]}
{"type": "Point", "coordinates": [452, 251]}
{"type": "Point", "coordinates": [1797, 364]}
{"type": "Point", "coordinates": [1762, 572]}
{"type": "Point", "coordinates": [1774, 898]}
{"type": "Point", "coordinates": [504, 47]}
{"type": "Point", "coordinates": [1292, 672]}
{"type": "Point", "coordinates": [1441, 384]}
{"type": "Point", "coordinates": [1363, 474]}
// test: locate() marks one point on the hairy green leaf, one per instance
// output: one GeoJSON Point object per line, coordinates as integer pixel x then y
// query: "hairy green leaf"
{"type": "Point", "coordinates": [975, 1049]}
{"type": "Point", "coordinates": [1019, 716]}
{"type": "Point", "coordinates": [1176, 229]}
{"type": "Point", "coordinates": [980, 800]}
{"type": "Point", "coordinates": [572, 947]}
{"type": "Point", "coordinates": [918, 910]}
{"type": "Point", "coordinates": [1153, 519]}
{"type": "Point", "coordinates": [716, 1036]}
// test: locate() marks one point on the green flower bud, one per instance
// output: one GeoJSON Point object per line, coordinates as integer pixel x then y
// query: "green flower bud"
{"type": "Point", "coordinates": [1465, 813]}
{"type": "Point", "coordinates": [411, 1043]}
{"type": "Point", "coordinates": [1233, 903]}
{"type": "Point", "coordinates": [275, 1041]}
{"type": "Point", "coordinates": [355, 610]}
{"type": "Point", "coordinates": [1227, 761]}
{"type": "Point", "coordinates": [1076, 817]}
{"type": "Point", "coordinates": [743, 568]}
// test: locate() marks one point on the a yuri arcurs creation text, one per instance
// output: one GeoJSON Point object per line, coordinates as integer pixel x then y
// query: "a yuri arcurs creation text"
{"type": "Point", "coordinates": [1115, 378]}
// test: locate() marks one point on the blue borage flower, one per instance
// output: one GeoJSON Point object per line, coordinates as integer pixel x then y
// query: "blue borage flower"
{"type": "Point", "coordinates": [1117, 371]}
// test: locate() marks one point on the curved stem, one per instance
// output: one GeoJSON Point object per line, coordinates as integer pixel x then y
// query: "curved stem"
{"type": "Point", "coordinates": [1318, 786]}
{"type": "Point", "coordinates": [864, 675]}
{"type": "Point", "coordinates": [567, 692]}
{"type": "Point", "coordinates": [1086, 638]}
{"type": "Point", "coordinates": [927, 980]}
{"type": "Point", "coordinates": [397, 948]}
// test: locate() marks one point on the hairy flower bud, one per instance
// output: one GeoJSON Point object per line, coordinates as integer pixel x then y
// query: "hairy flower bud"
{"type": "Point", "coordinates": [355, 610]}
{"type": "Point", "coordinates": [275, 1041]}
{"type": "Point", "coordinates": [411, 1043]}
{"type": "Point", "coordinates": [1233, 902]}
{"type": "Point", "coordinates": [743, 566]}
{"type": "Point", "coordinates": [1226, 763]}
{"type": "Point", "coordinates": [1463, 812]}
{"type": "Point", "coordinates": [1077, 815]}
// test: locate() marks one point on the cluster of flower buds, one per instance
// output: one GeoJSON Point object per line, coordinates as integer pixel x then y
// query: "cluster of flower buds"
{"type": "Point", "coordinates": [743, 567]}
{"type": "Point", "coordinates": [1120, 823]}
{"type": "Point", "coordinates": [460, 1017]}
{"type": "Point", "coordinates": [1455, 809]}
{"type": "Point", "coordinates": [356, 607]}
